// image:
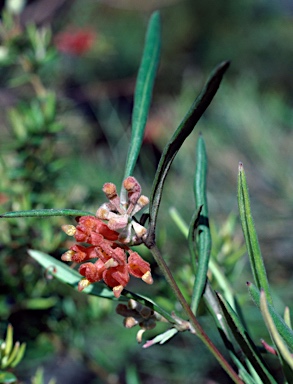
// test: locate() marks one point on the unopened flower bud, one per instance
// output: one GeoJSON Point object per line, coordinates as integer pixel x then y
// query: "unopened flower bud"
{"type": "Point", "coordinates": [110, 190]}
{"type": "Point", "coordinates": [117, 290]}
{"type": "Point", "coordinates": [111, 263]}
{"type": "Point", "coordinates": [139, 229]}
{"type": "Point", "coordinates": [133, 188]}
{"type": "Point", "coordinates": [147, 278]}
{"type": "Point", "coordinates": [69, 229]}
{"type": "Point", "coordinates": [67, 256]}
{"type": "Point", "coordinates": [139, 335]}
{"type": "Point", "coordinates": [117, 222]}
{"type": "Point", "coordinates": [141, 203]}
{"type": "Point", "coordinates": [132, 304]}
{"type": "Point", "coordinates": [130, 322]}
{"type": "Point", "coordinates": [146, 312]}
{"type": "Point", "coordinates": [83, 284]}
{"type": "Point", "coordinates": [103, 212]}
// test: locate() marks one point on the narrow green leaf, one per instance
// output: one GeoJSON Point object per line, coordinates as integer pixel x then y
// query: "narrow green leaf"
{"type": "Point", "coordinates": [283, 329]}
{"type": "Point", "coordinates": [8, 340]}
{"type": "Point", "coordinates": [13, 354]}
{"type": "Point", "coordinates": [182, 132]}
{"type": "Point", "coordinates": [204, 241]}
{"type": "Point", "coordinates": [71, 277]}
{"type": "Point", "coordinates": [68, 275]}
{"type": "Point", "coordinates": [143, 91]}
{"type": "Point", "coordinates": [283, 352]}
{"type": "Point", "coordinates": [253, 248]}
{"type": "Point", "coordinates": [212, 303]}
{"type": "Point", "coordinates": [7, 378]}
{"type": "Point", "coordinates": [19, 355]}
{"type": "Point", "coordinates": [245, 342]}
{"type": "Point", "coordinates": [45, 213]}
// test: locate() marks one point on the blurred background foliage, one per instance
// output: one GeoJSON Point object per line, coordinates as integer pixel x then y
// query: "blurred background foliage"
{"type": "Point", "coordinates": [80, 74]}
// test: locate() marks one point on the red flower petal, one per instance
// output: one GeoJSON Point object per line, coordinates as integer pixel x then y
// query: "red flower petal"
{"type": "Point", "coordinates": [116, 276]}
{"type": "Point", "coordinates": [82, 253]}
{"type": "Point", "coordinates": [92, 230]}
{"type": "Point", "coordinates": [137, 266]}
{"type": "Point", "coordinates": [93, 272]}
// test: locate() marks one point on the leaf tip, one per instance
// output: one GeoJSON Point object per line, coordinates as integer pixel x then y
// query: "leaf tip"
{"type": "Point", "coordinates": [225, 64]}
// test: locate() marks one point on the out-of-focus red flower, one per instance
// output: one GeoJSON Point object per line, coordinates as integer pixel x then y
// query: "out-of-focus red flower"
{"type": "Point", "coordinates": [75, 41]}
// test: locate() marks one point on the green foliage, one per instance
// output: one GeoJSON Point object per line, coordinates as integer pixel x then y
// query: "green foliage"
{"type": "Point", "coordinates": [32, 169]}
{"type": "Point", "coordinates": [10, 356]}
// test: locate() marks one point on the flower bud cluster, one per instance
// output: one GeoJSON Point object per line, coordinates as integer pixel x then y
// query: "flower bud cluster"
{"type": "Point", "coordinates": [137, 314]}
{"type": "Point", "coordinates": [119, 215]}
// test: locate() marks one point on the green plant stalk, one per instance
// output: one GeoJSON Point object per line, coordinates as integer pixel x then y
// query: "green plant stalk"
{"type": "Point", "coordinates": [195, 324]}
{"type": "Point", "coordinates": [252, 244]}
{"type": "Point", "coordinates": [204, 241]}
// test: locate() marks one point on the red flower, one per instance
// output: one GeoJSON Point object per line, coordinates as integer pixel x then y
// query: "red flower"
{"type": "Point", "coordinates": [75, 41]}
{"type": "Point", "coordinates": [115, 261]}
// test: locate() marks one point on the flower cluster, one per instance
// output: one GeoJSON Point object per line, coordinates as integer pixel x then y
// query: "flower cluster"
{"type": "Point", "coordinates": [107, 243]}
{"type": "Point", "coordinates": [137, 314]}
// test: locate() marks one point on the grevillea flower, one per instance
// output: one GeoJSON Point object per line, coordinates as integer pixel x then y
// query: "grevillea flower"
{"type": "Point", "coordinates": [114, 261]}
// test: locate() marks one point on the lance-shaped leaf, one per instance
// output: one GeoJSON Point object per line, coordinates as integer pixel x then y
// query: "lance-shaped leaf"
{"type": "Point", "coordinates": [283, 352]}
{"type": "Point", "coordinates": [252, 245]}
{"type": "Point", "coordinates": [45, 213]}
{"type": "Point", "coordinates": [71, 277]}
{"type": "Point", "coordinates": [7, 378]}
{"type": "Point", "coordinates": [283, 329]}
{"type": "Point", "coordinates": [143, 90]}
{"type": "Point", "coordinates": [182, 132]}
{"type": "Point", "coordinates": [245, 342]}
{"type": "Point", "coordinates": [204, 241]}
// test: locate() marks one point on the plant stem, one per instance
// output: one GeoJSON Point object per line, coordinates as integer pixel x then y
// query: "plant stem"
{"type": "Point", "coordinates": [197, 327]}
